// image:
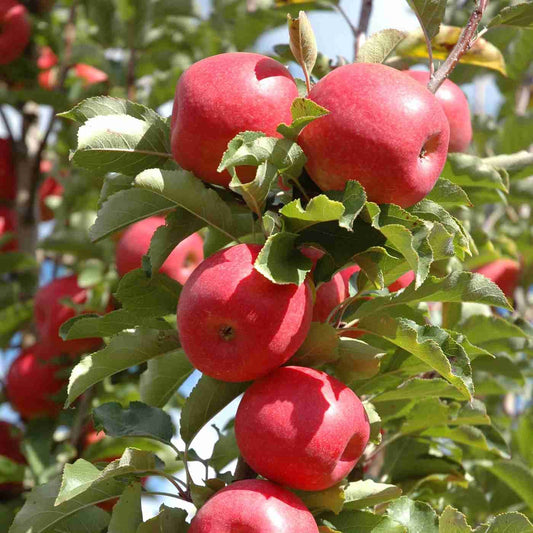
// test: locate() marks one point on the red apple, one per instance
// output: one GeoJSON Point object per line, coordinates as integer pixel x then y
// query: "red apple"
{"type": "Point", "coordinates": [8, 224]}
{"type": "Point", "coordinates": [383, 130]}
{"type": "Point", "coordinates": [135, 242]}
{"type": "Point", "coordinates": [48, 79]}
{"type": "Point", "coordinates": [10, 440]}
{"type": "Point", "coordinates": [49, 187]}
{"type": "Point", "coordinates": [47, 59]}
{"type": "Point", "coordinates": [402, 282]}
{"type": "Point", "coordinates": [8, 177]}
{"type": "Point", "coordinates": [221, 96]}
{"type": "Point", "coordinates": [253, 506]}
{"type": "Point", "coordinates": [32, 381]}
{"type": "Point", "coordinates": [504, 272]}
{"type": "Point", "coordinates": [15, 30]}
{"type": "Point", "coordinates": [328, 296]}
{"type": "Point", "coordinates": [455, 105]}
{"type": "Point", "coordinates": [50, 313]}
{"type": "Point", "coordinates": [235, 324]}
{"type": "Point", "coordinates": [301, 428]}
{"type": "Point", "coordinates": [89, 75]}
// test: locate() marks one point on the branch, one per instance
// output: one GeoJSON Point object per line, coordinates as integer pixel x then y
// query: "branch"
{"type": "Point", "coordinates": [466, 39]}
{"type": "Point", "coordinates": [511, 162]}
{"type": "Point", "coordinates": [70, 33]}
{"type": "Point", "coordinates": [7, 125]}
{"type": "Point", "coordinates": [130, 80]}
{"type": "Point", "coordinates": [362, 29]}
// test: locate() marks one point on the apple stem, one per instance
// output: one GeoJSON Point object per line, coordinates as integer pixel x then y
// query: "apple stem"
{"type": "Point", "coordinates": [465, 41]}
{"type": "Point", "coordinates": [362, 29]}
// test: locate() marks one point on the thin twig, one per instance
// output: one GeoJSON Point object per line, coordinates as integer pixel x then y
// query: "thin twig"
{"type": "Point", "coordinates": [362, 28]}
{"type": "Point", "coordinates": [7, 125]}
{"type": "Point", "coordinates": [466, 39]}
{"type": "Point", "coordinates": [70, 33]}
{"type": "Point", "coordinates": [344, 15]}
{"type": "Point", "coordinates": [130, 81]}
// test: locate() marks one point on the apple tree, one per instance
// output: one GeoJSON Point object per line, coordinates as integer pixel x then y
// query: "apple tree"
{"type": "Point", "coordinates": [332, 256]}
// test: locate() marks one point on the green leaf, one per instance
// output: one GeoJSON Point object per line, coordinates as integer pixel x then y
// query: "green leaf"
{"type": "Point", "coordinates": [361, 522]}
{"type": "Point", "coordinates": [127, 513]}
{"type": "Point", "coordinates": [448, 194]}
{"type": "Point", "coordinates": [106, 105]}
{"type": "Point", "coordinates": [429, 13]}
{"type": "Point", "coordinates": [155, 296]}
{"type": "Point", "coordinates": [375, 422]}
{"type": "Point", "coordinates": [452, 521]}
{"type": "Point", "coordinates": [357, 360]}
{"type": "Point", "coordinates": [319, 209]}
{"type": "Point", "coordinates": [482, 329]}
{"type": "Point", "coordinates": [470, 171]}
{"type": "Point", "coordinates": [367, 493]}
{"type": "Point", "coordinates": [432, 345]}
{"type": "Point", "coordinates": [12, 318]}
{"type": "Point", "coordinates": [519, 15]}
{"type": "Point", "coordinates": [40, 514]}
{"type": "Point", "coordinates": [163, 377]}
{"type": "Point", "coordinates": [455, 287]}
{"type": "Point", "coordinates": [16, 262]}
{"type": "Point", "coordinates": [303, 112]}
{"type": "Point", "coordinates": [353, 199]}
{"type": "Point", "coordinates": [125, 208]}
{"type": "Point", "coordinates": [281, 262]}
{"type": "Point", "coordinates": [11, 472]}
{"type": "Point", "coordinates": [137, 420]}
{"type": "Point", "coordinates": [517, 476]}
{"type": "Point", "coordinates": [208, 397]}
{"type": "Point", "coordinates": [225, 450]}
{"type": "Point", "coordinates": [91, 325]}
{"type": "Point", "coordinates": [319, 347]}
{"type": "Point", "coordinates": [123, 351]}
{"type": "Point", "coordinates": [168, 520]}
{"type": "Point", "coordinates": [507, 523]}
{"type": "Point", "coordinates": [178, 225]}
{"type": "Point", "coordinates": [420, 388]}
{"type": "Point", "coordinates": [302, 42]}
{"type": "Point", "coordinates": [183, 189]}
{"type": "Point", "coordinates": [414, 516]}
{"type": "Point", "coordinates": [379, 46]}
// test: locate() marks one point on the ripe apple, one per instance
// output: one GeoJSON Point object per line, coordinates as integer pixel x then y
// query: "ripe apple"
{"type": "Point", "coordinates": [135, 242]}
{"type": "Point", "coordinates": [8, 224]}
{"type": "Point", "coordinates": [15, 30]}
{"type": "Point", "coordinates": [455, 105]}
{"type": "Point", "coordinates": [221, 96]}
{"type": "Point", "coordinates": [384, 130]}
{"type": "Point", "coordinates": [254, 506]}
{"type": "Point", "coordinates": [49, 187]}
{"type": "Point", "coordinates": [301, 428]}
{"type": "Point", "coordinates": [8, 177]}
{"type": "Point", "coordinates": [89, 75]}
{"type": "Point", "coordinates": [50, 313]}
{"type": "Point", "coordinates": [32, 381]}
{"type": "Point", "coordinates": [328, 296]}
{"type": "Point", "coordinates": [47, 58]}
{"type": "Point", "coordinates": [235, 324]}
{"type": "Point", "coordinates": [402, 282]}
{"type": "Point", "coordinates": [10, 440]}
{"type": "Point", "coordinates": [504, 272]}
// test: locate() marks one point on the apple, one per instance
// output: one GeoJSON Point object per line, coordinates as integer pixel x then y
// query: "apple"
{"type": "Point", "coordinates": [253, 506]}
{"type": "Point", "coordinates": [8, 224]}
{"type": "Point", "coordinates": [455, 105]}
{"type": "Point", "coordinates": [10, 441]}
{"type": "Point", "coordinates": [47, 58]}
{"type": "Point", "coordinates": [50, 313]}
{"type": "Point", "coordinates": [49, 187]}
{"type": "Point", "coordinates": [135, 242]}
{"type": "Point", "coordinates": [90, 75]}
{"type": "Point", "coordinates": [8, 177]}
{"type": "Point", "coordinates": [328, 296]}
{"type": "Point", "coordinates": [15, 30]}
{"type": "Point", "coordinates": [301, 428]}
{"type": "Point", "coordinates": [402, 282]}
{"type": "Point", "coordinates": [235, 324]}
{"type": "Point", "coordinates": [383, 129]}
{"type": "Point", "coordinates": [221, 96]}
{"type": "Point", "coordinates": [32, 381]}
{"type": "Point", "coordinates": [504, 272]}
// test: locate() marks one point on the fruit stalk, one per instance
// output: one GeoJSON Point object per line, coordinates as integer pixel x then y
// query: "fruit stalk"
{"type": "Point", "coordinates": [462, 46]}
